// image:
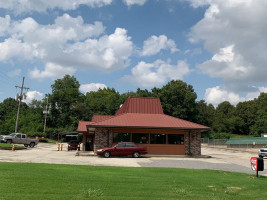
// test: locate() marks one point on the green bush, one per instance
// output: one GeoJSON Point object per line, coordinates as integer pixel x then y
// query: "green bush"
{"type": "Point", "coordinates": [44, 140]}
{"type": "Point", "coordinates": [34, 134]}
{"type": "Point", "coordinates": [214, 135]}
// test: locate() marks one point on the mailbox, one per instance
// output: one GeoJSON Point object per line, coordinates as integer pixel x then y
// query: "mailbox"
{"type": "Point", "coordinates": [257, 164]}
{"type": "Point", "coordinates": [260, 164]}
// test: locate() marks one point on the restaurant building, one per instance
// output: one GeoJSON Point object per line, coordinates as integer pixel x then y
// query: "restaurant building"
{"type": "Point", "coordinates": [141, 120]}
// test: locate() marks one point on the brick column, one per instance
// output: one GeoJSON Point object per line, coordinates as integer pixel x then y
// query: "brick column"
{"type": "Point", "coordinates": [103, 138]}
{"type": "Point", "coordinates": [192, 147]}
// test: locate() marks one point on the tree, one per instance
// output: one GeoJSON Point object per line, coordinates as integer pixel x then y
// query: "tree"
{"type": "Point", "coordinates": [206, 113]}
{"type": "Point", "coordinates": [260, 125]}
{"type": "Point", "coordinates": [178, 99]}
{"type": "Point", "coordinates": [247, 111]}
{"type": "Point", "coordinates": [65, 99]}
{"type": "Point", "coordinates": [103, 102]}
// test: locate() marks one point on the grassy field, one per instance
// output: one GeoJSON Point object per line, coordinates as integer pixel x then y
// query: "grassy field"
{"type": "Point", "coordinates": [9, 146]}
{"type": "Point", "coordinates": [49, 181]}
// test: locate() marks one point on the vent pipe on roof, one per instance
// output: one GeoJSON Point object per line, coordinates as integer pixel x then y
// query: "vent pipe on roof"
{"type": "Point", "coordinates": [121, 105]}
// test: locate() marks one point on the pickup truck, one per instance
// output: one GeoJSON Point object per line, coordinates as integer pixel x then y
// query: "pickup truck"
{"type": "Point", "coordinates": [19, 138]}
{"type": "Point", "coordinates": [263, 152]}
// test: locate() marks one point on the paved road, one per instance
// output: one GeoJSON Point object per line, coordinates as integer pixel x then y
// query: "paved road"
{"type": "Point", "coordinates": [222, 159]}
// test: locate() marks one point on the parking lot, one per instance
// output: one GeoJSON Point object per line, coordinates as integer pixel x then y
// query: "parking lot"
{"type": "Point", "coordinates": [220, 159]}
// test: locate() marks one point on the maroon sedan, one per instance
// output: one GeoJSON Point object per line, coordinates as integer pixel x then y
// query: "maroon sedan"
{"type": "Point", "coordinates": [74, 145]}
{"type": "Point", "coordinates": [123, 149]}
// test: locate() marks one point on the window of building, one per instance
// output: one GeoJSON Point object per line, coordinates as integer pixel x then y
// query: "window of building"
{"type": "Point", "coordinates": [140, 138]}
{"type": "Point", "coordinates": [176, 139]}
{"type": "Point", "coordinates": [157, 138]}
{"type": "Point", "coordinates": [121, 137]}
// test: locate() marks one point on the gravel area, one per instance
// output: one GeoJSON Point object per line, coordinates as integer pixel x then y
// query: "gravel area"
{"type": "Point", "coordinates": [221, 159]}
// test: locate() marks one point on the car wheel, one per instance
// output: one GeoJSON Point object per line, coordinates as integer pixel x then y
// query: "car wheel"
{"type": "Point", "coordinates": [106, 154]}
{"type": "Point", "coordinates": [136, 154]}
{"type": "Point", "coordinates": [9, 141]}
{"type": "Point", "coordinates": [25, 145]}
{"type": "Point", "coordinates": [32, 144]}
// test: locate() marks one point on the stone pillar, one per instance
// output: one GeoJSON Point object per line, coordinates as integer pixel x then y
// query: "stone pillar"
{"type": "Point", "coordinates": [186, 142]}
{"type": "Point", "coordinates": [193, 144]}
{"type": "Point", "coordinates": [84, 141]}
{"type": "Point", "coordinates": [103, 138]}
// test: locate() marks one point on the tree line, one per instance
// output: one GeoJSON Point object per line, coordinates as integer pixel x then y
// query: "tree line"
{"type": "Point", "coordinates": [67, 106]}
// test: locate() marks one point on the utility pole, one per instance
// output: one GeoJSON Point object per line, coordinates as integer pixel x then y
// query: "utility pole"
{"type": "Point", "coordinates": [46, 112]}
{"type": "Point", "coordinates": [20, 97]}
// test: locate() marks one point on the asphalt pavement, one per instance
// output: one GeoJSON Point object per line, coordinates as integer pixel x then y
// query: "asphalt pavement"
{"type": "Point", "coordinates": [220, 159]}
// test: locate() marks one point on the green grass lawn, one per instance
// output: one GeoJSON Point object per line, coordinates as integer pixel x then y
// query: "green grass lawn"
{"type": "Point", "coordinates": [50, 181]}
{"type": "Point", "coordinates": [9, 146]}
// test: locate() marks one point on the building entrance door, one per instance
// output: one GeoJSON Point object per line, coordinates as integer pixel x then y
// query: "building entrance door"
{"type": "Point", "coordinates": [89, 143]}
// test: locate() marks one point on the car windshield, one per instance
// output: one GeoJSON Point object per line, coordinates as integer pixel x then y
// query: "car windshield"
{"type": "Point", "coordinates": [74, 142]}
{"type": "Point", "coordinates": [12, 134]}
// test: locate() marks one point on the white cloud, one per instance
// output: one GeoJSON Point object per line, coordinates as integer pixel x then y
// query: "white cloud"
{"type": "Point", "coordinates": [4, 24]}
{"type": "Point", "coordinates": [133, 2]}
{"type": "Point", "coordinates": [235, 33]}
{"type": "Point", "coordinates": [16, 72]}
{"type": "Point", "coordinates": [12, 47]}
{"type": "Point", "coordinates": [92, 87]}
{"type": "Point", "coordinates": [155, 44]}
{"type": "Point", "coordinates": [154, 74]}
{"type": "Point", "coordinates": [31, 95]}
{"type": "Point", "coordinates": [23, 6]}
{"type": "Point", "coordinates": [52, 71]}
{"type": "Point", "coordinates": [109, 52]}
{"type": "Point", "coordinates": [68, 43]}
{"type": "Point", "coordinates": [217, 95]}
{"type": "Point", "coordinates": [199, 3]}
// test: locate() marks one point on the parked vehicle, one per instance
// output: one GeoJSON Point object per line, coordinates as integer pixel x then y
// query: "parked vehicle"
{"type": "Point", "coordinates": [263, 152]}
{"type": "Point", "coordinates": [19, 138]}
{"type": "Point", "coordinates": [123, 149]}
{"type": "Point", "coordinates": [74, 145]}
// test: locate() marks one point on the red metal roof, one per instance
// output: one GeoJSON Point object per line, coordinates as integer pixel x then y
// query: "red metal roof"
{"type": "Point", "coordinates": [82, 126]}
{"type": "Point", "coordinates": [141, 105]}
{"type": "Point", "coordinates": [98, 118]}
{"type": "Point", "coordinates": [140, 120]}
{"type": "Point", "coordinates": [140, 112]}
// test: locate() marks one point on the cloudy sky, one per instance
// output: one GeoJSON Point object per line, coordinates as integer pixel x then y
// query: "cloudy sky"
{"type": "Point", "coordinates": [218, 46]}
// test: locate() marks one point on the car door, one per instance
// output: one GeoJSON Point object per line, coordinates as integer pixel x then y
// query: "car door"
{"type": "Point", "coordinates": [119, 149]}
{"type": "Point", "coordinates": [129, 148]}
{"type": "Point", "coordinates": [17, 139]}
{"type": "Point", "coordinates": [23, 139]}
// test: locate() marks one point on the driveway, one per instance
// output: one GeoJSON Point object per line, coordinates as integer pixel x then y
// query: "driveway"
{"type": "Point", "coordinates": [221, 159]}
